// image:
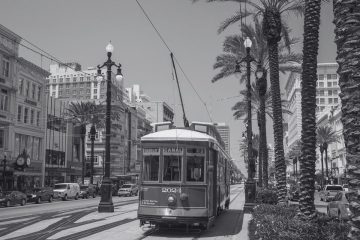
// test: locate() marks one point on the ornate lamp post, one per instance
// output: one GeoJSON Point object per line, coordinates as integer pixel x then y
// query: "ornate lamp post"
{"type": "Point", "coordinates": [106, 204]}
{"type": "Point", "coordinates": [4, 172]}
{"type": "Point", "coordinates": [250, 185]}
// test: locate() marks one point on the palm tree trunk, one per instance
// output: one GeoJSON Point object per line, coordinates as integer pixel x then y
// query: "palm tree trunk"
{"type": "Point", "coordinates": [322, 169]}
{"type": "Point", "coordinates": [347, 24]}
{"type": "Point", "coordinates": [264, 142]}
{"type": "Point", "coordinates": [308, 106]}
{"type": "Point", "coordinates": [326, 166]}
{"type": "Point", "coordinates": [260, 150]}
{"type": "Point", "coordinates": [277, 122]}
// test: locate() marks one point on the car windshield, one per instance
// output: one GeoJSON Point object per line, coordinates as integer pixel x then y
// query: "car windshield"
{"type": "Point", "coordinates": [126, 186]}
{"type": "Point", "coordinates": [83, 187]}
{"type": "Point", "coordinates": [345, 186]}
{"type": "Point", "coordinates": [60, 186]}
{"type": "Point", "coordinates": [336, 188]}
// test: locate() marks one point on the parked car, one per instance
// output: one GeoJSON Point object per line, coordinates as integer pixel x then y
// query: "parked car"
{"type": "Point", "coordinates": [88, 190]}
{"type": "Point", "coordinates": [339, 207]}
{"type": "Point", "coordinates": [66, 191]}
{"type": "Point", "coordinates": [329, 192]}
{"type": "Point", "coordinates": [11, 198]}
{"type": "Point", "coordinates": [128, 190]}
{"type": "Point", "coordinates": [41, 194]}
{"type": "Point", "coordinates": [345, 187]}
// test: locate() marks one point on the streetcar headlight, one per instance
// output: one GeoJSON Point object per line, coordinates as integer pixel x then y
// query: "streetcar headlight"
{"type": "Point", "coordinates": [171, 200]}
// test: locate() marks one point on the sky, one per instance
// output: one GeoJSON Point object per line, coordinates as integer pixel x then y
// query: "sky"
{"type": "Point", "coordinates": [79, 30]}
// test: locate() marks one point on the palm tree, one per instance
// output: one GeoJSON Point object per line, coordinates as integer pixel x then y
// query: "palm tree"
{"type": "Point", "coordinates": [79, 113]}
{"type": "Point", "coordinates": [308, 106]}
{"type": "Point", "coordinates": [347, 25]}
{"type": "Point", "coordinates": [326, 136]}
{"type": "Point", "coordinates": [274, 30]}
{"type": "Point", "coordinates": [294, 154]}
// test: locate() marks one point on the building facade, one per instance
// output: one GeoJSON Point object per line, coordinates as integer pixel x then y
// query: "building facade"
{"type": "Point", "coordinates": [224, 131]}
{"type": "Point", "coordinates": [327, 95]}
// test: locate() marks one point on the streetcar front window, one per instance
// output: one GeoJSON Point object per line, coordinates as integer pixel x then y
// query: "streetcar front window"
{"type": "Point", "coordinates": [151, 168]}
{"type": "Point", "coordinates": [195, 169]}
{"type": "Point", "coordinates": [172, 168]}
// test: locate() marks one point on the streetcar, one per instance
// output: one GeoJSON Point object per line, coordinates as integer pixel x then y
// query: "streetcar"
{"type": "Point", "coordinates": [185, 176]}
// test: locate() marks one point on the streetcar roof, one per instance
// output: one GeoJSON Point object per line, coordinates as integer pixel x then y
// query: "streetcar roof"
{"type": "Point", "coordinates": [178, 135]}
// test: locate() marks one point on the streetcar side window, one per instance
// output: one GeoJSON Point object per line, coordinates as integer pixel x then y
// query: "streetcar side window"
{"type": "Point", "coordinates": [151, 168]}
{"type": "Point", "coordinates": [172, 168]}
{"type": "Point", "coordinates": [195, 169]}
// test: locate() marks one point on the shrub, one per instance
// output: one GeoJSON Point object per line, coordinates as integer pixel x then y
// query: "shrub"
{"type": "Point", "coordinates": [282, 223]}
{"type": "Point", "coordinates": [266, 196]}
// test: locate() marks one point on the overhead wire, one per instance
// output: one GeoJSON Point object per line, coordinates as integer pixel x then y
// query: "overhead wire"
{"type": "Point", "coordinates": [177, 62]}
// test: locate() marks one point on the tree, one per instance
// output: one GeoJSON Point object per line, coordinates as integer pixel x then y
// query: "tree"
{"type": "Point", "coordinates": [294, 154]}
{"type": "Point", "coordinates": [347, 38]}
{"type": "Point", "coordinates": [275, 29]}
{"type": "Point", "coordinates": [79, 113]}
{"type": "Point", "coordinates": [326, 136]}
{"type": "Point", "coordinates": [308, 106]}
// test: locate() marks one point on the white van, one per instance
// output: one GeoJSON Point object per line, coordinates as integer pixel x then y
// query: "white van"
{"type": "Point", "coordinates": [66, 191]}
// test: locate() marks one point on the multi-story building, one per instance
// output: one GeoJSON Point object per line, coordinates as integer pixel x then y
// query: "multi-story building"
{"type": "Point", "coordinates": [224, 131]}
{"type": "Point", "coordinates": [22, 114]}
{"type": "Point", "coordinates": [337, 150]}
{"type": "Point", "coordinates": [327, 95]}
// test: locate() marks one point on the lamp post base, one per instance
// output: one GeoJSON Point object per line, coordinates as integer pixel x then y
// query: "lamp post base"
{"type": "Point", "coordinates": [250, 195]}
{"type": "Point", "coordinates": [106, 204]}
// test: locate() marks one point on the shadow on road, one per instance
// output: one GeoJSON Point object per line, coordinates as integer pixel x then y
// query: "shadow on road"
{"type": "Point", "coordinates": [227, 224]}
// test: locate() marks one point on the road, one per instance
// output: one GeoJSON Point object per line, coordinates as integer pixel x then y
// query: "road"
{"type": "Point", "coordinates": [79, 219]}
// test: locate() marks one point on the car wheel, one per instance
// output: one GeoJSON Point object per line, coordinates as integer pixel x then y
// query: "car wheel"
{"type": "Point", "coordinates": [8, 203]}
{"type": "Point", "coordinates": [38, 200]}
{"type": "Point", "coordinates": [23, 202]}
{"type": "Point", "coordinates": [76, 197]}
{"type": "Point", "coordinates": [50, 198]}
{"type": "Point", "coordinates": [65, 198]}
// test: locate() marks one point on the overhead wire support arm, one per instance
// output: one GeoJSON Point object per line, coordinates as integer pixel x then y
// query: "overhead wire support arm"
{"type": "Point", "coordinates": [186, 122]}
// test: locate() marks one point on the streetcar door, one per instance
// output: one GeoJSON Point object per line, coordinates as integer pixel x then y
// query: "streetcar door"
{"type": "Point", "coordinates": [212, 184]}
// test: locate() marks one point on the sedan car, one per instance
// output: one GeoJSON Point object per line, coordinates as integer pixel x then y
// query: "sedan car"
{"type": "Point", "coordinates": [329, 192]}
{"type": "Point", "coordinates": [10, 198]}
{"type": "Point", "coordinates": [339, 207]}
{"type": "Point", "coordinates": [128, 190]}
{"type": "Point", "coordinates": [40, 194]}
{"type": "Point", "coordinates": [345, 187]}
{"type": "Point", "coordinates": [87, 190]}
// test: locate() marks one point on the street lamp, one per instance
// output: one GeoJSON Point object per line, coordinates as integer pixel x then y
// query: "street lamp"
{"type": "Point", "coordinates": [106, 204]}
{"type": "Point", "coordinates": [250, 186]}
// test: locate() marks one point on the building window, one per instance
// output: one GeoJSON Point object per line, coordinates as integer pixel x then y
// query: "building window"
{"type": "Point", "coordinates": [39, 94]}
{"type": "Point", "coordinates": [60, 80]}
{"type": "Point", "coordinates": [322, 100]}
{"type": "Point", "coordinates": [330, 93]}
{"type": "Point", "coordinates": [67, 85]}
{"type": "Point", "coordinates": [87, 90]}
{"type": "Point", "coordinates": [321, 77]}
{"type": "Point", "coordinates": [335, 100]}
{"type": "Point", "coordinates": [61, 86]}
{"type": "Point", "coordinates": [321, 92]}
{"type": "Point", "coordinates": [81, 85]}
{"type": "Point", "coordinates": [60, 93]}
{"type": "Point", "coordinates": [80, 92]}
{"type": "Point", "coordinates": [321, 84]}
{"type": "Point", "coordinates": [330, 100]}
{"type": "Point", "coordinates": [317, 101]}
{"type": "Point", "coordinates": [2, 138]}
{"type": "Point", "coordinates": [328, 76]}
{"type": "Point", "coordinates": [4, 100]}
{"type": "Point", "coordinates": [33, 91]}
{"type": "Point", "coordinates": [53, 94]}
{"type": "Point", "coordinates": [322, 108]}
{"type": "Point", "coordinates": [88, 84]}
{"type": "Point", "coordinates": [96, 159]}
{"type": "Point", "coordinates": [32, 115]}
{"type": "Point", "coordinates": [26, 115]}
{"type": "Point", "coordinates": [81, 79]}
{"type": "Point", "coordinates": [27, 89]}
{"type": "Point", "coordinates": [6, 68]}
{"type": "Point", "coordinates": [88, 78]}
{"type": "Point", "coordinates": [19, 113]}
{"type": "Point", "coordinates": [335, 92]}
{"type": "Point", "coordinates": [74, 85]}
{"type": "Point", "coordinates": [95, 90]}
{"type": "Point", "coordinates": [102, 96]}
{"type": "Point", "coordinates": [67, 79]}
{"type": "Point", "coordinates": [38, 119]}
{"type": "Point", "coordinates": [87, 97]}
{"type": "Point", "coordinates": [95, 97]}
{"type": "Point", "coordinates": [74, 79]}
{"type": "Point", "coordinates": [95, 84]}
{"type": "Point", "coordinates": [21, 86]}
{"type": "Point", "coordinates": [335, 83]}
{"type": "Point", "coordinates": [329, 84]}
{"type": "Point", "coordinates": [67, 91]}
{"type": "Point", "coordinates": [74, 92]}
